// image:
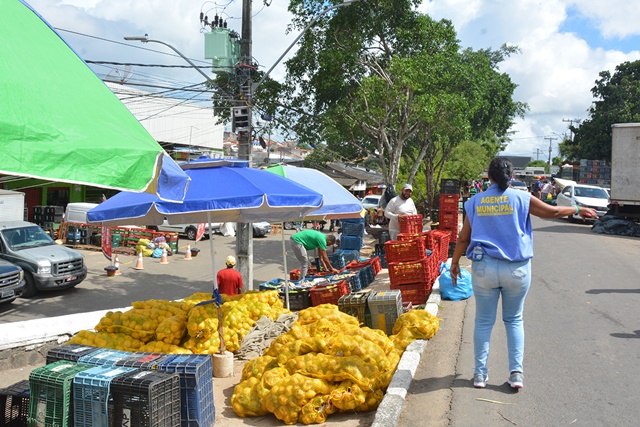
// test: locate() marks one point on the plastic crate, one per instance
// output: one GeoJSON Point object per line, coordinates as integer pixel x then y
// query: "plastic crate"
{"type": "Point", "coordinates": [141, 360]}
{"type": "Point", "coordinates": [103, 357]}
{"type": "Point", "coordinates": [349, 254]}
{"type": "Point", "coordinates": [416, 293]}
{"type": "Point", "coordinates": [449, 186]}
{"type": "Point", "coordinates": [337, 261]}
{"type": "Point", "coordinates": [410, 224]}
{"type": "Point", "coordinates": [352, 229]}
{"type": "Point", "coordinates": [354, 282]}
{"type": "Point", "coordinates": [351, 242]}
{"type": "Point", "coordinates": [447, 200]}
{"type": "Point", "coordinates": [404, 250]}
{"type": "Point", "coordinates": [71, 352]}
{"type": "Point", "coordinates": [51, 399]}
{"type": "Point", "coordinates": [299, 299]}
{"type": "Point", "coordinates": [14, 404]}
{"type": "Point", "coordinates": [442, 239]}
{"type": "Point", "coordinates": [91, 395]}
{"type": "Point", "coordinates": [328, 294]}
{"type": "Point", "coordinates": [145, 399]}
{"type": "Point", "coordinates": [385, 307]}
{"type": "Point", "coordinates": [355, 304]}
{"type": "Point", "coordinates": [196, 388]}
{"type": "Point", "coordinates": [410, 272]}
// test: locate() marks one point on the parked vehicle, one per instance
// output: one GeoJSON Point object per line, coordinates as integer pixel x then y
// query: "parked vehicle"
{"type": "Point", "coordinates": [589, 196]}
{"type": "Point", "coordinates": [625, 174]}
{"type": "Point", "coordinates": [46, 265]}
{"type": "Point", "coordinates": [12, 206]}
{"type": "Point", "coordinates": [371, 201]}
{"type": "Point", "coordinates": [12, 282]}
{"type": "Point", "coordinates": [190, 230]}
{"type": "Point", "coordinates": [519, 185]}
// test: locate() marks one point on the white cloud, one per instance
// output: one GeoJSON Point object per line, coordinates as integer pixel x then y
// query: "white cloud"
{"type": "Point", "coordinates": [614, 18]}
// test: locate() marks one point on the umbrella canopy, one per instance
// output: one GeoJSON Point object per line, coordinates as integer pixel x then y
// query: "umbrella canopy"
{"type": "Point", "coordinates": [338, 201]}
{"type": "Point", "coordinates": [60, 122]}
{"type": "Point", "coordinates": [228, 190]}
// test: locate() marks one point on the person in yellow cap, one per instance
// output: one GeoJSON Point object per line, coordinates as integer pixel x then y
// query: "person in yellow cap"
{"type": "Point", "coordinates": [230, 280]}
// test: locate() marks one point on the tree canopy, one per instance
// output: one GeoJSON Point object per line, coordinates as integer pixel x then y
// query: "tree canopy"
{"type": "Point", "coordinates": [617, 100]}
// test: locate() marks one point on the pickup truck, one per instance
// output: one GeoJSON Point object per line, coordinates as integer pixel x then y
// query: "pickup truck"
{"type": "Point", "coordinates": [46, 265]}
{"type": "Point", "coordinates": [12, 282]}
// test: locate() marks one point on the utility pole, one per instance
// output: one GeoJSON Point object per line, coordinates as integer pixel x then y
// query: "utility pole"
{"type": "Point", "coordinates": [244, 236]}
{"type": "Point", "coordinates": [538, 151]}
{"type": "Point", "coordinates": [571, 121]}
{"type": "Point", "coordinates": [550, 149]}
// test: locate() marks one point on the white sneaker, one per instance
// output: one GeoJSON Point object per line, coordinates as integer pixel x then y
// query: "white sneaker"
{"type": "Point", "coordinates": [480, 380]}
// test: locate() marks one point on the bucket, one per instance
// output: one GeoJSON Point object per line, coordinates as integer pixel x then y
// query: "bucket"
{"type": "Point", "coordinates": [111, 270]}
{"type": "Point", "coordinates": [195, 252]}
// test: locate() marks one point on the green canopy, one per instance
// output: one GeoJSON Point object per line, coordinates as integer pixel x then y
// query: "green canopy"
{"type": "Point", "coordinates": [60, 122]}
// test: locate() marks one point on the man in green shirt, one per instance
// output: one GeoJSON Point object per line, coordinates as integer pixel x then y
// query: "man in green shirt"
{"type": "Point", "coordinates": [307, 240]}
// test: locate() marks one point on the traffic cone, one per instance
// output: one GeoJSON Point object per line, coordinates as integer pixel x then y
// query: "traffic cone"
{"type": "Point", "coordinates": [164, 259]}
{"type": "Point", "coordinates": [116, 264]}
{"type": "Point", "coordinates": [139, 265]}
{"type": "Point", "coordinates": [187, 256]}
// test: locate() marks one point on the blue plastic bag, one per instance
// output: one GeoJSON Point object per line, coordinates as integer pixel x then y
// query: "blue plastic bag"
{"type": "Point", "coordinates": [463, 288]}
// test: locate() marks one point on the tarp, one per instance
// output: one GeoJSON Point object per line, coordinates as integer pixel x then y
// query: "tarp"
{"type": "Point", "coordinates": [60, 122]}
{"type": "Point", "coordinates": [338, 202]}
{"type": "Point", "coordinates": [563, 182]}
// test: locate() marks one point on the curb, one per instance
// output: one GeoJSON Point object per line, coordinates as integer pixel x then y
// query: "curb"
{"type": "Point", "coordinates": [389, 410]}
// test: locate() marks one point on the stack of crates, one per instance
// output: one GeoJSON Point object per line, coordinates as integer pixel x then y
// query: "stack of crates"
{"type": "Point", "coordinates": [51, 395]}
{"type": "Point", "coordinates": [14, 404]}
{"type": "Point", "coordinates": [412, 270]}
{"type": "Point", "coordinates": [385, 308]}
{"type": "Point", "coordinates": [142, 360]}
{"type": "Point", "coordinates": [103, 357]}
{"type": "Point", "coordinates": [91, 393]}
{"type": "Point", "coordinates": [70, 352]}
{"type": "Point", "coordinates": [352, 233]}
{"type": "Point", "coordinates": [196, 388]}
{"type": "Point", "coordinates": [337, 261]}
{"type": "Point", "coordinates": [438, 241]}
{"type": "Point", "coordinates": [145, 398]}
{"type": "Point", "coordinates": [448, 215]}
{"type": "Point", "coordinates": [355, 304]}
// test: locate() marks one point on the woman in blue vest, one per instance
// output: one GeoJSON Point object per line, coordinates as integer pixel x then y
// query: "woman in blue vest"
{"type": "Point", "coordinates": [497, 237]}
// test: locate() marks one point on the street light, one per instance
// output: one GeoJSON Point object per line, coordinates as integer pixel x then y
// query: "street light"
{"type": "Point", "coordinates": [313, 21]}
{"type": "Point", "coordinates": [146, 39]}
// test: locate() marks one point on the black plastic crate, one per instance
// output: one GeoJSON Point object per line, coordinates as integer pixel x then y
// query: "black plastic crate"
{"type": "Point", "coordinates": [71, 352]}
{"type": "Point", "coordinates": [352, 229]}
{"type": "Point", "coordinates": [450, 186]}
{"type": "Point", "coordinates": [14, 401]}
{"type": "Point", "coordinates": [142, 360]}
{"type": "Point", "coordinates": [145, 398]}
{"type": "Point", "coordinates": [196, 388]}
{"type": "Point", "coordinates": [299, 299]}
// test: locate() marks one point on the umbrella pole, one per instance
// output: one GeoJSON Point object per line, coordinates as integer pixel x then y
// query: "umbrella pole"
{"type": "Point", "coordinates": [286, 276]}
{"type": "Point", "coordinates": [223, 345]}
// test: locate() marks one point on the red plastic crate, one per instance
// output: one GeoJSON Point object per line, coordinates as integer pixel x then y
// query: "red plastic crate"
{"type": "Point", "coordinates": [410, 224]}
{"type": "Point", "coordinates": [410, 272]}
{"type": "Point", "coordinates": [328, 294]}
{"type": "Point", "coordinates": [442, 239]}
{"type": "Point", "coordinates": [449, 200]}
{"type": "Point", "coordinates": [408, 236]}
{"type": "Point", "coordinates": [453, 232]}
{"type": "Point", "coordinates": [376, 265]}
{"type": "Point", "coordinates": [450, 223]}
{"type": "Point", "coordinates": [404, 250]}
{"type": "Point", "coordinates": [415, 293]}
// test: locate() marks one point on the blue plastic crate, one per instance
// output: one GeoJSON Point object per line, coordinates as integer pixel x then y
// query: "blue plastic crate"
{"type": "Point", "coordinates": [196, 388]}
{"type": "Point", "coordinates": [352, 229]}
{"type": "Point", "coordinates": [351, 242]}
{"type": "Point", "coordinates": [91, 395]}
{"type": "Point", "coordinates": [337, 261]}
{"type": "Point", "coordinates": [349, 254]}
{"type": "Point", "coordinates": [351, 221]}
{"type": "Point", "coordinates": [103, 357]}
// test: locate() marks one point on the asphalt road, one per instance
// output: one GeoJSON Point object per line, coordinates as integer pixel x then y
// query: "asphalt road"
{"type": "Point", "coordinates": [582, 326]}
{"type": "Point", "coordinates": [175, 280]}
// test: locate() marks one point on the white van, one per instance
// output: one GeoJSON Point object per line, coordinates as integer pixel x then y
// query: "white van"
{"type": "Point", "coordinates": [77, 212]}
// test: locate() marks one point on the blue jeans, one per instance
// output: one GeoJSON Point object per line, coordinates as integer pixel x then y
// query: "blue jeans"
{"type": "Point", "coordinates": [493, 278]}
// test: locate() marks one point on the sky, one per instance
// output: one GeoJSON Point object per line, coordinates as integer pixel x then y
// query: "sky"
{"type": "Point", "coordinates": [564, 46]}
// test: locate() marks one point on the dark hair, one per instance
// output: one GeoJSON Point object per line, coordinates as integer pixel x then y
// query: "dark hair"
{"type": "Point", "coordinates": [500, 171]}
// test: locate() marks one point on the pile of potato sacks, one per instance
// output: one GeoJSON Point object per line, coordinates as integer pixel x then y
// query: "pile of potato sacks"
{"type": "Point", "coordinates": [181, 326]}
{"type": "Point", "coordinates": [326, 363]}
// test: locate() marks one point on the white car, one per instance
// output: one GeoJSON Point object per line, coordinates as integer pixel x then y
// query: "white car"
{"type": "Point", "coordinates": [371, 201]}
{"type": "Point", "coordinates": [260, 229]}
{"type": "Point", "coordinates": [519, 185]}
{"type": "Point", "coordinates": [589, 196]}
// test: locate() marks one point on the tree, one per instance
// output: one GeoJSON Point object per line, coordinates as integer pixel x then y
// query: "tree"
{"type": "Point", "coordinates": [538, 164]}
{"type": "Point", "coordinates": [617, 100]}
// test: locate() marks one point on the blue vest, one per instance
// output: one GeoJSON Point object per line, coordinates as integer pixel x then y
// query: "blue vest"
{"type": "Point", "coordinates": [500, 223]}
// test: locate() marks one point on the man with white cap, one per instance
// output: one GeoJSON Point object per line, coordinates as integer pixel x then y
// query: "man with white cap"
{"type": "Point", "coordinates": [230, 280]}
{"type": "Point", "coordinates": [400, 205]}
